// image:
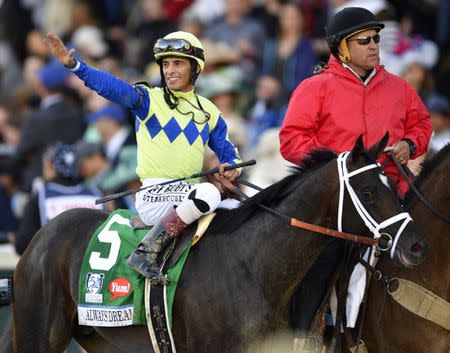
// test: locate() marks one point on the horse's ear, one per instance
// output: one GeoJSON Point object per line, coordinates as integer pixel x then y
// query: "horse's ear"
{"type": "Point", "coordinates": [376, 150]}
{"type": "Point", "coordinates": [357, 149]}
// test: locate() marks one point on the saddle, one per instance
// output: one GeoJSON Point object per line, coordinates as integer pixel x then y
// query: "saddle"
{"type": "Point", "coordinates": [155, 299]}
{"type": "Point", "coordinates": [189, 235]}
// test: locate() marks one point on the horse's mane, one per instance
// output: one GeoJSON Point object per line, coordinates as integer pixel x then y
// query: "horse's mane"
{"type": "Point", "coordinates": [229, 220]}
{"type": "Point", "coordinates": [427, 169]}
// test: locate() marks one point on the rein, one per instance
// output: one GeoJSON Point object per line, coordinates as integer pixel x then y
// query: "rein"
{"type": "Point", "coordinates": [405, 172]}
{"type": "Point", "coordinates": [383, 240]}
{"type": "Point", "coordinates": [304, 225]}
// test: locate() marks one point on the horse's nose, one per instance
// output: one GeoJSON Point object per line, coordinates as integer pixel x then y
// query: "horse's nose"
{"type": "Point", "coordinates": [419, 249]}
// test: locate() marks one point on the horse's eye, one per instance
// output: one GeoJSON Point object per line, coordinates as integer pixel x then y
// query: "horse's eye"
{"type": "Point", "coordinates": [367, 195]}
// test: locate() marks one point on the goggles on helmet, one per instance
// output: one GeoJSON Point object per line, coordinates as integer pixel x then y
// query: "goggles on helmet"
{"type": "Point", "coordinates": [163, 45]}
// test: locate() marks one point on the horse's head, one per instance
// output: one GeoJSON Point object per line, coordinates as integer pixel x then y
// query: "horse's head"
{"type": "Point", "coordinates": [363, 182]}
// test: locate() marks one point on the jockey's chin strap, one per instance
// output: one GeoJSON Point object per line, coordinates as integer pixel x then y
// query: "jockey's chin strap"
{"type": "Point", "coordinates": [371, 224]}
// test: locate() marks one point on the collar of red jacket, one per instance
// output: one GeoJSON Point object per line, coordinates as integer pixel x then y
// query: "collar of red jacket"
{"type": "Point", "coordinates": [336, 67]}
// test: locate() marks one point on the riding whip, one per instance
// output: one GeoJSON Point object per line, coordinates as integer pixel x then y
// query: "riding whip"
{"type": "Point", "coordinates": [193, 176]}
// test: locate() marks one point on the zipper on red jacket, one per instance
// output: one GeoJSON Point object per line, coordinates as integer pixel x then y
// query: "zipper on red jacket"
{"type": "Point", "coordinates": [364, 113]}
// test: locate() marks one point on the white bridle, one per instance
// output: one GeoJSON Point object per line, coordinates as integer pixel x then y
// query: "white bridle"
{"type": "Point", "coordinates": [374, 226]}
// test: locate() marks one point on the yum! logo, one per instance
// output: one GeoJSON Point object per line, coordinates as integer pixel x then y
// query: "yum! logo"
{"type": "Point", "coordinates": [119, 287]}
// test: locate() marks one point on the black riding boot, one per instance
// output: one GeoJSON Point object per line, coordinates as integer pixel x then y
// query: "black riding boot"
{"type": "Point", "coordinates": [147, 259]}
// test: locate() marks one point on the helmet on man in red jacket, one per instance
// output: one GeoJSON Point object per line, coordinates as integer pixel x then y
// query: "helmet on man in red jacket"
{"type": "Point", "coordinates": [347, 22]}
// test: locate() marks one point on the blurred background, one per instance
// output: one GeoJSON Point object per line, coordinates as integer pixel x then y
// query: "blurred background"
{"type": "Point", "coordinates": [256, 52]}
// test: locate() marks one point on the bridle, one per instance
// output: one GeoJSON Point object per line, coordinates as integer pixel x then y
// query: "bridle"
{"type": "Point", "coordinates": [371, 224]}
{"type": "Point", "coordinates": [383, 240]}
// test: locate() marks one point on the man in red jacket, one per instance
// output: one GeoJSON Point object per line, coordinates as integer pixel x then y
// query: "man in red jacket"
{"type": "Point", "coordinates": [352, 95]}
{"type": "Point", "coordinates": [355, 95]}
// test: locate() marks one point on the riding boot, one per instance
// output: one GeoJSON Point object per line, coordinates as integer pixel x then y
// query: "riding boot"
{"type": "Point", "coordinates": [148, 257]}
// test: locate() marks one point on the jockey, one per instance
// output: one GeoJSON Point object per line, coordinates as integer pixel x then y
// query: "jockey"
{"type": "Point", "coordinates": [173, 126]}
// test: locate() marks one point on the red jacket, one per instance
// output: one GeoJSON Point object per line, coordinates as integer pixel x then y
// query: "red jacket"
{"type": "Point", "coordinates": [331, 109]}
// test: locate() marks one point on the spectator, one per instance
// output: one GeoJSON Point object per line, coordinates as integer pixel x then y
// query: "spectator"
{"type": "Point", "coordinates": [60, 190]}
{"type": "Point", "coordinates": [439, 108]}
{"type": "Point", "coordinates": [267, 110]}
{"type": "Point", "coordinates": [224, 92]}
{"type": "Point", "coordinates": [8, 222]}
{"type": "Point", "coordinates": [419, 76]}
{"type": "Point", "coordinates": [55, 120]}
{"type": "Point", "coordinates": [267, 13]}
{"type": "Point", "coordinates": [206, 10]}
{"type": "Point", "coordinates": [290, 56]}
{"type": "Point", "coordinates": [241, 32]}
{"type": "Point", "coordinates": [90, 162]}
{"type": "Point", "coordinates": [271, 167]}
{"type": "Point", "coordinates": [146, 23]}
{"type": "Point", "coordinates": [9, 71]}
{"type": "Point", "coordinates": [93, 167]}
{"type": "Point", "coordinates": [15, 23]}
{"type": "Point", "coordinates": [36, 46]}
{"type": "Point", "coordinates": [119, 146]}
{"type": "Point", "coordinates": [192, 24]}
{"type": "Point", "coordinates": [90, 44]}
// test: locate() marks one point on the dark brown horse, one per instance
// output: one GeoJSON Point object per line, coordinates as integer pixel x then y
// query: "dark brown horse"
{"type": "Point", "coordinates": [237, 282]}
{"type": "Point", "coordinates": [401, 331]}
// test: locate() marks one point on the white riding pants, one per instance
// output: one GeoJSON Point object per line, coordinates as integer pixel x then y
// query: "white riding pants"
{"type": "Point", "coordinates": [191, 200]}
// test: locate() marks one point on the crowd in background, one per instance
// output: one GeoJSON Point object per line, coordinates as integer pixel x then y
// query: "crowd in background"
{"type": "Point", "coordinates": [256, 53]}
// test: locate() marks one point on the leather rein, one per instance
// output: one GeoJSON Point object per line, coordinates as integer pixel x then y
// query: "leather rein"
{"type": "Point", "coordinates": [301, 224]}
{"type": "Point", "coordinates": [383, 241]}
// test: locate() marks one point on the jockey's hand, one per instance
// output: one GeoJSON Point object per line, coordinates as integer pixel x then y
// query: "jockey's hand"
{"type": "Point", "coordinates": [401, 151]}
{"type": "Point", "coordinates": [223, 179]}
{"type": "Point", "coordinates": [59, 50]}
{"type": "Point", "coordinates": [229, 175]}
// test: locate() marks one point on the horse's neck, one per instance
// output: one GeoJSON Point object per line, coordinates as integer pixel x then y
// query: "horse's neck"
{"type": "Point", "coordinates": [433, 272]}
{"type": "Point", "coordinates": [286, 253]}
{"type": "Point", "coordinates": [437, 191]}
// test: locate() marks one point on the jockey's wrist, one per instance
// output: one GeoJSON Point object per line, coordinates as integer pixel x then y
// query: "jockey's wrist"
{"type": "Point", "coordinates": [74, 66]}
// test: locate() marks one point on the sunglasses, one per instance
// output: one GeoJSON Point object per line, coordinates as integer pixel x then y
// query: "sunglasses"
{"type": "Point", "coordinates": [366, 39]}
{"type": "Point", "coordinates": [179, 45]}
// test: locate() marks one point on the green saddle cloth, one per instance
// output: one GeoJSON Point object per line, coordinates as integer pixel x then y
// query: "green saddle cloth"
{"type": "Point", "coordinates": [109, 292]}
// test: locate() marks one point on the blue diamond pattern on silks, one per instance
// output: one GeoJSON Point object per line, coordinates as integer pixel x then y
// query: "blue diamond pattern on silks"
{"type": "Point", "coordinates": [153, 126]}
{"type": "Point", "coordinates": [205, 134]}
{"type": "Point", "coordinates": [191, 132]}
{"type": "Point", "coordinates": [172, 129]}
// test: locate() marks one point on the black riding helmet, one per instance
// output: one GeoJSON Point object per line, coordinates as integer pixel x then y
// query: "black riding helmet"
{"type": "Point", "coordinates": [347, 22]}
